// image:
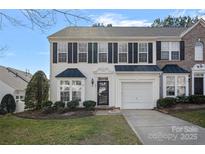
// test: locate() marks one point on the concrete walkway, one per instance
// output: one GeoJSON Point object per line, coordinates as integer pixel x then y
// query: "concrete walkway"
{"type": "Point", "coordinates": [153, 127]}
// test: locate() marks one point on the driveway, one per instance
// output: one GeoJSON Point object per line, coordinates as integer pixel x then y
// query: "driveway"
{"type": "Point", "coordinates": [153, 127]}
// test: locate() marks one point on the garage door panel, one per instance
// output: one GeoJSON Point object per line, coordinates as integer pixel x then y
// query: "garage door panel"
{"type": "Point", "coordinates": [137, 95]}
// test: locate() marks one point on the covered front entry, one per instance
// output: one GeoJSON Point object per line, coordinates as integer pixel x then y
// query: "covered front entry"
{"type": "Point", "coordinates": [137, 95]}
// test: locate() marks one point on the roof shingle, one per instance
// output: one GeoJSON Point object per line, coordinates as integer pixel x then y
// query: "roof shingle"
{"type": "Point", "coordinates": [137, 68]}
{"type": "Point", "coordinates": [71, 72]}
{"type": "Point", "coordinates": [173, 68]}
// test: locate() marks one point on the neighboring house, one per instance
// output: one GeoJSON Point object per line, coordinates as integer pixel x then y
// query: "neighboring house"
{"type": "Point", "coordinates": [14, 82]}
{"type": "Point", "coordinates": [127, 67]}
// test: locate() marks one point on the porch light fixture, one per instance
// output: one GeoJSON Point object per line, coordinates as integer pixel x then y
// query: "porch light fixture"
{"type": "Point", "coordinates": [92, 81]}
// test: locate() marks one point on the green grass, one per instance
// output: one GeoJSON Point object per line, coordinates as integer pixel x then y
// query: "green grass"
{"type": "Point", "coordinates": [88, 130]}
{"type": "Point", "coordinates": [194, 116]}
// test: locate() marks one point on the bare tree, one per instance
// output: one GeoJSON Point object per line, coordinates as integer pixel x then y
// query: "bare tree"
{"type": "Point", "coordinates": [38, 19]}
{"type": "Point", "coordinates": [41, 19]}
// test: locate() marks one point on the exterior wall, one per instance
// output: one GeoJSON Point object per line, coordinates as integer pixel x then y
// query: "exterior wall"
{"type": "Point", "coordinates": [93, 71]}
{"type": "Point", "coordinates": [138, 77]}
{"type": "Point", "coordinates": [198, 32]}
{"type": "Point", "coordinates": [5, 89]}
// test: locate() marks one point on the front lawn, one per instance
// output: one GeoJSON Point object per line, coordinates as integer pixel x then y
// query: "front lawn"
{"type": "Point", "coordinates": [87, 130]}
{"type": "Point", "coordinates": [194, 116]}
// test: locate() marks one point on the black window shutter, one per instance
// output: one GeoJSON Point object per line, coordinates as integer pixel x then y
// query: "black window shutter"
{"type": "Point", "coordinates": [150, 53]}
{"type": "Point", "coordinates": [110, 53]}
{"type": "Point", "coordinates": [182, 50]}
{"type": "Point", "coordinates": [75, 54]}
{"type": "Point", "coordinates": [95, 52]}
{"type": "Point", "coordinates": [55, 46]}
{"type": "Point", "coordinates": [135, 52]}
{"type": "Point", "coordinates": [158, 47]}
{"type": "Point", "coordinates": [70, 52]}
{"type": "Point", "coordinates": [115, 52]}
{"type": "Point", "coordinates": [90, 55]}
{"type": "Point", "coordinates": [129, 52]}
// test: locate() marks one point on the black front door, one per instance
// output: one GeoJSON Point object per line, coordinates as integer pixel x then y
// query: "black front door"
{"type": "Point", "coordinates": [103, 92]}
{"type": "Point", "coordinates": [198, 86]}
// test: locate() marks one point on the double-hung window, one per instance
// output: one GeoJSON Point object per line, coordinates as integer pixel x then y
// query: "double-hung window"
{"type": "Point", "coordinates": [70, 90]}
{"type": "Point", "coordinates": [123, 52]}
{"type": "Point", "coordinates": [62, 52]}
{"type": "Point", "coordinates": [65, 91]}
{"type": "Point", "coordinates": [103, 52]}
{"type": "Point", "coordinates": [175, 85]}
{"type": "Point", "coordinates": [170, 51]}
{"type": "Point", "coordinates": [143, 53]}
{"type": "Point", "coordinates": [199, 51]}
{"type": "Point", "coordinates": [165, 51]}
{"type": "Point", "coordinates": [82, 52]}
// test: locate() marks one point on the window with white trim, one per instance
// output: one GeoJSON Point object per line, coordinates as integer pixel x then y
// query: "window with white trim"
{"type": "Point", "coordinates": [82, 51]}
{"type": "Point", "coordinates": [19, 98]}
{"type": "Point", "coordinates": [143, 53]}
{"type": "Point", "coordinates": [170, 51]}
{"type": "Point", "coordinates": [199, 51]}
{"type": "Point", "coordinates": [123, 52]}
{"type": "Point", "coordinates": [103, 52]}
{"type": "Point", "coordinates": [70, 90]}
{"type": "Point", "coordinates": [175, 86]}
{"type": "Point", "coordinates": [62, 52]}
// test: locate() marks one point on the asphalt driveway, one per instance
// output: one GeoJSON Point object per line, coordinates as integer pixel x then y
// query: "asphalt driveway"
{"type": "Point", "coordinates": [153, 127]}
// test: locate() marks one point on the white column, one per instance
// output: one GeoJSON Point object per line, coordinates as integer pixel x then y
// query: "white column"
{"type": "Point", "coordinates": [192, 79]}
{"type": "Point", "coordinates": [187, 85]}
{"type": "Point", "coordinates": [204, 84]}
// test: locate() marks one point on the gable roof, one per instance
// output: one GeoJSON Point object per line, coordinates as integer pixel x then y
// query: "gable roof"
{"type": "Point", "coordinates": [201, 21]}
{"type": "Point", "coordinates": [103, 32]}
{"type": "Point", "coordinates": [173, 68]}
{"type": "Point", "coordinates": [137, 68]}
{"type": "Point", "coordinates": [71, 72]}
{"type": "Point", "coordinates": [14, 78]}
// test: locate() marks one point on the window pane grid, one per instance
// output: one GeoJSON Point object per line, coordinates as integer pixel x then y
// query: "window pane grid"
{"type": "Point", "coordinates": [82, 52]}
{"type": "Point", "coordinates": [143, 52]}
{"type": "Point", "coordinates": [103, 50]}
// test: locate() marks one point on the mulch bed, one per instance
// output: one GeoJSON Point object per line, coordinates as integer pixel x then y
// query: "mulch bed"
{"type": "Point", "coordinates": [182, 107]}
{"type": "Point", "coordinates": [66, 115]}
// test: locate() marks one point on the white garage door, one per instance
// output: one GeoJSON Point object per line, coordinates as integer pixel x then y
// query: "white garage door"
{"type": "Point", "coordinates": [137, 95]}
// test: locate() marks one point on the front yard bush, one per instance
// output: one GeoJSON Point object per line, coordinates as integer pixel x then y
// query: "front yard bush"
{"type": "Point", "coordinates": [89, 105]}
{"type": "Point", "coordinates": [58, 105]}
{"type": "Point", "coordinates": [2, 110]}
{"type": "Point", "coordinates": [47, 104]}
{"type": "Point", "coordinates": [73, 104]}
{"type": "Point", "coordinates": [8, 103]}
{"type": "Point", "coordinates": [166, 102]}
{"type": "Point", "coordinates": [197, 99]}
{"type": "Point", "coordinates": [47, 110]}
{"type": "Point", "coordinates": [182, 99]}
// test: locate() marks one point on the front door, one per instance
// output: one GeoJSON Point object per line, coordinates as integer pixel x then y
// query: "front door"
{"type": "Point", "coordinates": [103, 92]}
{"type": "Point", "coordinates": [198, 86]}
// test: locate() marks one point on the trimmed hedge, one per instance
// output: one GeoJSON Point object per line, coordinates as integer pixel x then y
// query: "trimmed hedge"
{"type": "Point", "coordinates": [197, 99]}
{"type": "Point", "coordinates": [166, 102]}
{"type": "Point", "coordinates": [73, 104]}
{"type": "Point", "coordinates": [47, 104]}
{"type": "Point", "coordinates": [2, 110]}
{"type": "Point", "coordinates": [58, 105]}
{"type": "Point", "coordinates": [182, 99]}
{"type": "Point", "coordinates": [89, 105]}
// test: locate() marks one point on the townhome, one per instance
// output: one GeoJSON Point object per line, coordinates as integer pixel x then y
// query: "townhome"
{"type": "Point", "coordinates": [127, 67]}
